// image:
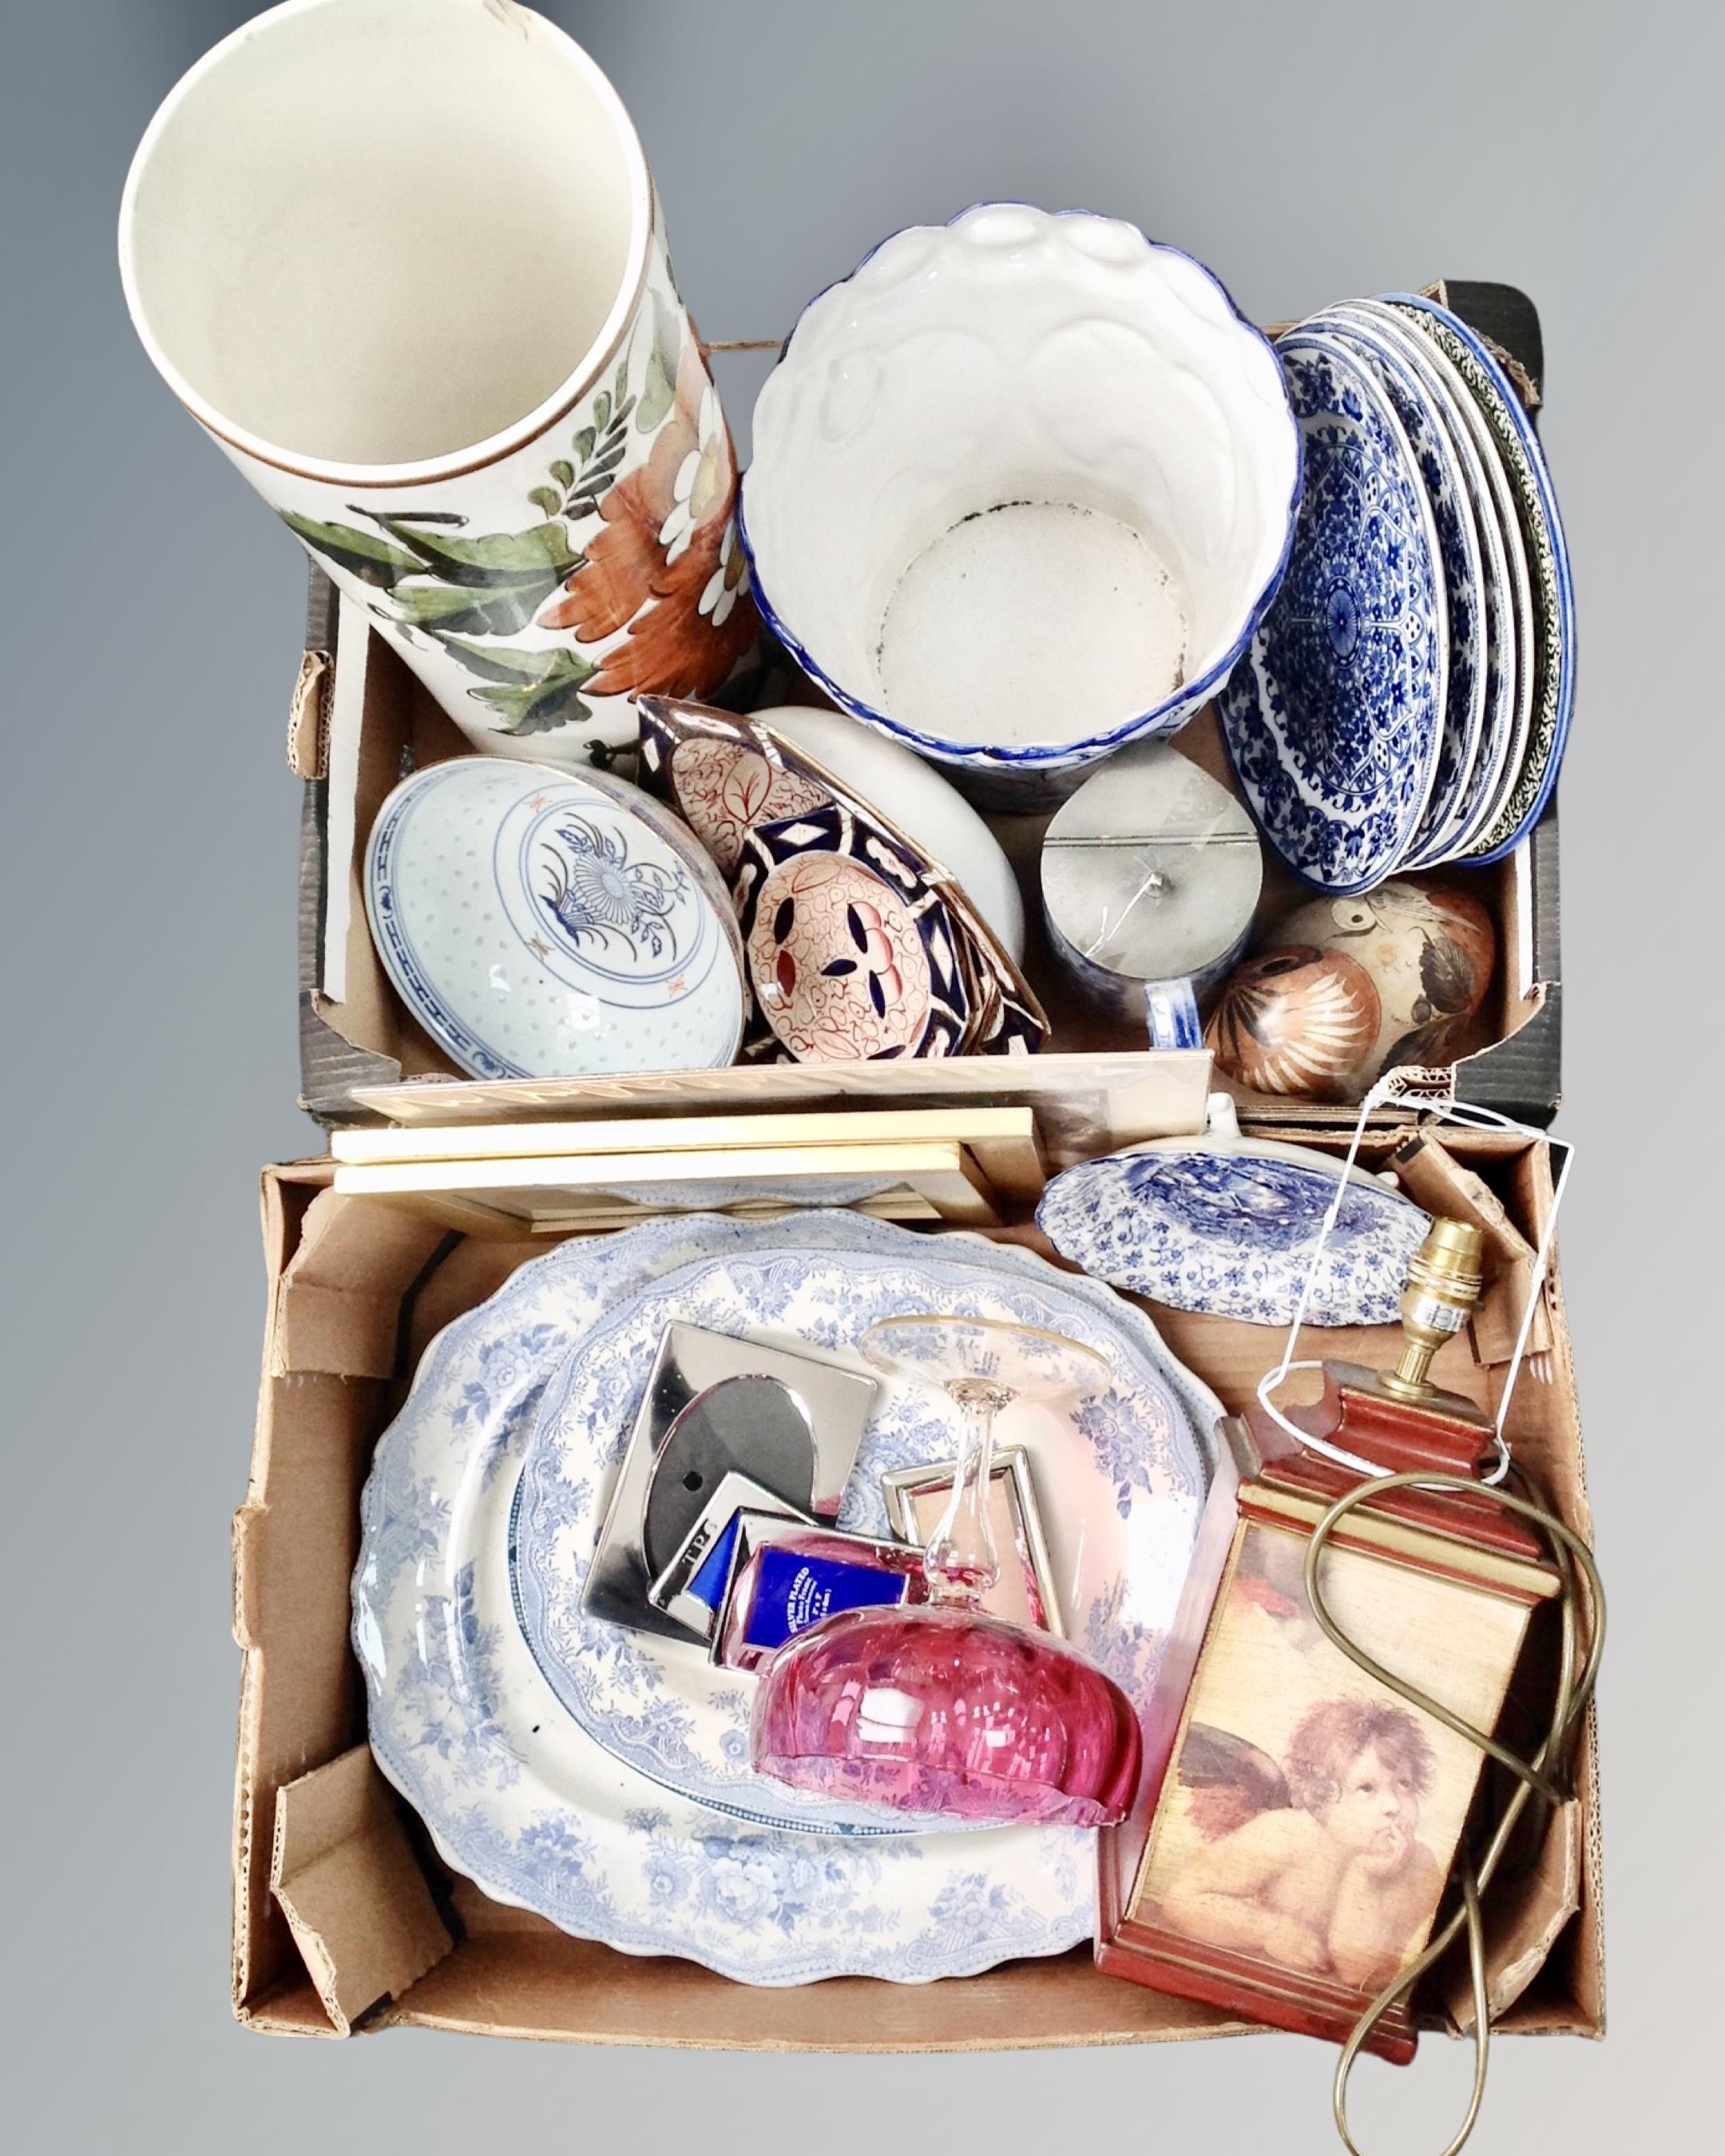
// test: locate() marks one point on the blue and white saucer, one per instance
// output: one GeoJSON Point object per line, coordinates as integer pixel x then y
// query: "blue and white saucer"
{"type": "Point", "coordinates": [1528, 786]}
{"type": "Point", "coordinates": [1459, 548]}
{"type": "Point", "coordinates": [543, 925]}
{"type": "Point", "coordinates": [1228, 1226]}
{"type": "Point", "coordinates": [1334, 719]}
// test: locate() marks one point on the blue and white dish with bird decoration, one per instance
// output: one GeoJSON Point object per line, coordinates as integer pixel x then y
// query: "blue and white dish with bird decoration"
{"type": "Point", "coordinates": [1334, 718]}
{"type": "Point", "coordinates": [542, 924]}
{"type": "Point", "coordinates": [1228, 1226]}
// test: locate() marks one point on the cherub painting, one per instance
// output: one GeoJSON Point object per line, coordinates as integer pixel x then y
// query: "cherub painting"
{"type": "Point", "coordinates": [1308, 1819]}
{"type": "Point", "coordinates": [1317, 1865]}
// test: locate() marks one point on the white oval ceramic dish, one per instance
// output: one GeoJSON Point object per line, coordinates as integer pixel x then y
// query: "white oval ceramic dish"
{"type": "Point", "coordinates": [515, 1794]}
{"type": "Point", "coordinates": [1023, 485]}
{"type": "Point", "coordinates": [1229, 1226]}
{"type": "Point", "coordinates": [1121, 1479]}
{"type": "Point", "coordinates": [540, 925]}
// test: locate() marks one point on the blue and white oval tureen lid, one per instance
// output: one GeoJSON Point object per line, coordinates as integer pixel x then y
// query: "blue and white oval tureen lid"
{"type": "Point", "coordinates": [541, 924]}
{"type": "Point", "coordinates": [1228, 1226]}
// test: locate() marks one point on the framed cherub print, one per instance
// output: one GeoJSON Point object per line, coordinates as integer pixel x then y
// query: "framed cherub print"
{"type": "Point", "coordinates": [1298, 1821]}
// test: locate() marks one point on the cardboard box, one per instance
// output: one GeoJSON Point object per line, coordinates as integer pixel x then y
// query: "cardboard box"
{"type": "Point", "coordinates": [360, 720]}
{"type": "Point", "coordinates": [343, 1916]}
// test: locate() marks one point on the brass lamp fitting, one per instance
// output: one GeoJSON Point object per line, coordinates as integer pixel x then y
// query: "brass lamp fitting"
{"type": "Point", "coordinates": [1442, 1290]}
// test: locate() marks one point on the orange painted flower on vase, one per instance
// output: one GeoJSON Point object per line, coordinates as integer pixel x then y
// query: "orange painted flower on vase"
{"type": "Point", "coordinates": [665, 564]}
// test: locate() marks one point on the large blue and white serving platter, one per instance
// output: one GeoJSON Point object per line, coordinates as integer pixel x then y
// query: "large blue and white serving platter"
{"type": "Point", "coordinates": [1459, 548]}
{"type": "Point", "coordinates": [539, 924]}
{"type": "Point", "coordinates": [1121, 1478]}
{"type": "Point", "coordinates": [1334, 718]}
{"type": "Point", "coordinates": [1528, 784]}
{"type": "Point", "coordinates": [520, 1799]}
{"type": "Point", "coordinates": [1229, 1227]}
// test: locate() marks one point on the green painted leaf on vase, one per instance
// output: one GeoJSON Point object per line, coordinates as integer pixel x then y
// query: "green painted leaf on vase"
{"type": "Point", "coordinates": [660, 387]}
{"type": "Point", "coordinates": [535, 691]}
{"type": "Point", "coordinates": [493, 610]}
{"type": "Point", "coordinates": [363, 554]}
{"type": "Point", "coordinates": [539, 558]}
{"type": "Point", "coordinates": [564, 472]}
{"type": "Point", "coordinates": [518, 669]}
{"type": "Point", "coordinates": [546, 500]}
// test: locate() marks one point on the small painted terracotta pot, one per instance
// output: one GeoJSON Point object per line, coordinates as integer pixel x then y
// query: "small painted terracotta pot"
{"type": "Point", "coordinates": [1429, 951]}
{"type": "Point", "coordinates": [446, 348]}
{"type": "Point", "coordinates": [1296, 1019]}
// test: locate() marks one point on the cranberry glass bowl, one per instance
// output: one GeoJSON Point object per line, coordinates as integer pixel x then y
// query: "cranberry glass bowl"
{"type": "Point", "coordinates": [947, 1710]}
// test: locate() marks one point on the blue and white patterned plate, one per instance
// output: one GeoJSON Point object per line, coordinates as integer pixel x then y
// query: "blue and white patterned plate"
{"type": "Point", "coordinates": [519, 1800]}
{"type": "Point", "coordinates": [1530, 783]}
{"type": "Point", "coordinates": [1121, 1478]}
{"type": "Point", "coordinates": [1334, 719]}
{"type": "Point", "coordinates": [1229, 1227]}
{"type": "Point", "coordinates": [1459, 548]}
{"type": "Point", "coordinates": [1509, 597]}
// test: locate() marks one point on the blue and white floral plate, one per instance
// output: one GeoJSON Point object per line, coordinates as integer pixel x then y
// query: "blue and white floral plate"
{"type": "Point", "coordinates": [518, 1797]}
{"type": "Point", "coordinates": [1459, 549]}
{"type": "Point", "coordinates": [1121, 1478]}
{"type": "Point", "coordinates": [1228, 1226]}
{"type": "Point", "coordinates": [1531, 779]}
{"type": "Point", "coordinates": [1508, 591]}
{"type": "Point", "coordinates": [543, 925]}
{"type": "Point", "coordinates": [1334, 719]}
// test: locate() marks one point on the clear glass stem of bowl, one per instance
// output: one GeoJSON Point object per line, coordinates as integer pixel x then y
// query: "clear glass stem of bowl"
{"type": "Point", "coordinates": [961, 1562]}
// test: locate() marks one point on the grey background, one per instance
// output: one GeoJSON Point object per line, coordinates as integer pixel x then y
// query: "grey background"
{"type": "Point", "coordinates": [153, 616]}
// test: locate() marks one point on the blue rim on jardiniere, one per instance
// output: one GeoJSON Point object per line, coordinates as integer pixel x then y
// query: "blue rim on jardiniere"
{"type": "Point", "coordinates": [1165, 717]}
{"type": "Point", "coordinates": [1546, 504]}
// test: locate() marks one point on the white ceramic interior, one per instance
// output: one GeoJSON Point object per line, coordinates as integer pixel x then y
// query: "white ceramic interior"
{"type": "Point", "coordinates": [1022, 487]}
{"type": "Point", "coordinates": [889, 778]}
{"type": "Point", "coordinates": [365, 233]}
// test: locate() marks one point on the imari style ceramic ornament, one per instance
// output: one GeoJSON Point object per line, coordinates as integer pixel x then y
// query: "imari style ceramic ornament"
{"type": "Point", "coordinates": [1334, 720]}
{"type": "Point", "coordinates": [1023, 485]}
{"type": "Point", "coordinates": [1122, 1477]}
{"type": "Point", "coordinates": [540, 925]}
{"type": "Point", "coordinates": [726, 771]}
{"type": "Point", "coordinates": [486, 415]}
{"type": "Point", "coordinates": [855, 955]}
{"type": "Point", "coordinates": [859, 944]}
{"type": "Point", "coordinates": [1228, 1226]}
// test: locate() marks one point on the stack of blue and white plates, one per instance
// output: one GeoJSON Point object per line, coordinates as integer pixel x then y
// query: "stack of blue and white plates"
{"type": "Point", "coordinates": [1405, 701]}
